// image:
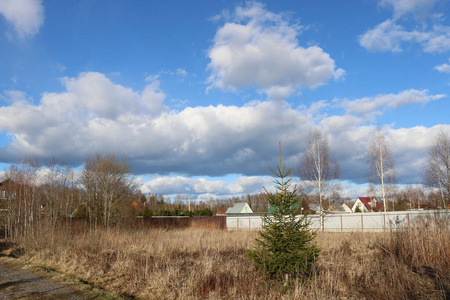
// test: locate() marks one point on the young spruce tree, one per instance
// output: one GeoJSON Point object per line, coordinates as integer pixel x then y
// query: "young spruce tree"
{"type": "Point", "coordinates": [285, 248]}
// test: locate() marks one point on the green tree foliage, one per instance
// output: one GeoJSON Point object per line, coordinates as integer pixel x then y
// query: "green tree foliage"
{"type": "Point", "coordinates": [285, 248]}
{"type": "Point", "coordinates": [203, 212]}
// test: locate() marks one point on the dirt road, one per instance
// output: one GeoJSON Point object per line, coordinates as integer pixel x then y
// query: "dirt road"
{"type": "Point", "coordinates": [16, 283]}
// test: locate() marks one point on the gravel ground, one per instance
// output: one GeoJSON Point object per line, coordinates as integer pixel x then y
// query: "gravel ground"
{"type": "Point", "coordinates": [16, 283]}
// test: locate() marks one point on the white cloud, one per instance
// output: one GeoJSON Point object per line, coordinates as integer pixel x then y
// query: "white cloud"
{"type": "Point", "coordinates": [181, 72]}
{"type": "Point", "coordinates": [444, 68]}
{"type": "Point", "coordinates": [212, 141]}
{"type": "Point", "coordinates": [386, 36]}
{"type": "Point", "coordinates": [391, 35]}
{"type": "Point", "coordinates": [96, 93]}
{"type": "Point", "coordinates": [27, 16]}
{"type": "Point", "coordinates": [216, 188]}
{"type": "Point", "coordinates": [369, 107]}
{"type": "Point", "coordinates": [14, 96]}
{"type": "Point", "coordinates": [419, 8]}
{"type": "Point", "coordinates": [260, 50]}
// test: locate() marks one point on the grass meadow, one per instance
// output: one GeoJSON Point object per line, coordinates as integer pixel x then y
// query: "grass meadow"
{"type": "Point", "coordinates": [204, 263]}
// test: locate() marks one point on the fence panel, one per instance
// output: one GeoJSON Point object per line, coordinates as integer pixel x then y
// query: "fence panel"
{"type": "Point", "coordinates": [349, 222]}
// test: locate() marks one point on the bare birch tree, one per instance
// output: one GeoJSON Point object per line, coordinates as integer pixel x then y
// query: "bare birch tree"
{"type": "Point", "coordinates": [437, 167]}
{"type": "Point", "coordinates": [318, 172]}
{"type": "Point", "coordinates": [108, 187]}
{"type": "Point", "coordinates": [382, 171]}
{"type": "Point", "coordinates": [57, 193]}
{"type": "Point", "coordinates": [23, 205]}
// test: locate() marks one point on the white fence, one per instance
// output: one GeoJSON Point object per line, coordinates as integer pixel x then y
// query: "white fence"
{"type": "Point", "coordinates": [346, 222]}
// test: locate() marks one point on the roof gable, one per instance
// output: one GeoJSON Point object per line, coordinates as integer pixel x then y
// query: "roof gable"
{"type": "Point", "coordinates": [367, 201]}
{"type": "Point", "coordinates": [239, 208]}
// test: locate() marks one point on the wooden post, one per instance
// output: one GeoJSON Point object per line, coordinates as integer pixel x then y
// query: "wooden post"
{"type": "Point", "coordinates": [362, 223]}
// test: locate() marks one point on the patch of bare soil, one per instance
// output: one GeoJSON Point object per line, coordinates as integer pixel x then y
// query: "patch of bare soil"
{"type": "Point", "coordinates": [16, 283]}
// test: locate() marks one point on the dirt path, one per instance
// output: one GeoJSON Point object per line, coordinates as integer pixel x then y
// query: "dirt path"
{"type": "Point", "coordinates": [16, 283]}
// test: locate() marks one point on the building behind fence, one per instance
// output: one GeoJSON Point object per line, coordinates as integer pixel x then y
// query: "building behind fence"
{"type": "Point", "coordinates": [381, 221]}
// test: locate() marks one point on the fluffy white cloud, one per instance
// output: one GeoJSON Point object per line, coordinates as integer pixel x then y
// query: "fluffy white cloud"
{"type": "Point", "coordinates": [94, 115]}
{"type": "Point", "coordinates": [371, 106]}
{"type": "Point", "coordinates": [27, 16]}
{"type": "Point", "coordinates": [97, 115]}
{"type": "Point", "coordinates": [214, 188]}
{"type": "Point", "coordinates": [444, 68]}
{"type": "Point", "coordinates": [260, 50]}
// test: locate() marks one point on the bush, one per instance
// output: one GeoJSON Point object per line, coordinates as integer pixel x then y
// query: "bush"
{"type": "Point", "coordinates": [147, 213]}
{"type": "Point", "coordinates": [203, 212]}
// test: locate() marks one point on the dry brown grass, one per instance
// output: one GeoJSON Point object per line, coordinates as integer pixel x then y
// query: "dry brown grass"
{"type": "Point", "coordinates": [212, 264]}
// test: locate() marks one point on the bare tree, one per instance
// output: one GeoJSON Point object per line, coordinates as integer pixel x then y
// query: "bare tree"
{"type": "Point", "coordinates": [108, 189]}
{"type": "Point", "coordinates": [57, 193]}
{"type": "Point", "coordinates": [23, 205]}
{"type": "Point", "coordinates": [318, 172]}
{"type": "Point", "coordinates": [437, 167]}
{"type": "Point", "coordinates": [382, 171]}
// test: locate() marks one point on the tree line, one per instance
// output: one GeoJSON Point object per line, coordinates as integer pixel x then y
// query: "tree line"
{"type": "Point", "coordinates": [104, 194]}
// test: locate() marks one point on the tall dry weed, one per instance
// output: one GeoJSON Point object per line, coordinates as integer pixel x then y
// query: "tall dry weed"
{"type": "Point", "coordinates": [198, 263]}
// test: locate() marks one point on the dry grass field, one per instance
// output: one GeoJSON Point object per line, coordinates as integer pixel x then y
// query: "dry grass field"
{"type": "Point", "coordinates": [198, 263]}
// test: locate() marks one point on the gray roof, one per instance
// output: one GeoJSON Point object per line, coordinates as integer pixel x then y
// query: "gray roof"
{"type": "Point", "coordinates": [238, 208]}
{"type": "Point", "coordinates": [314, 207]}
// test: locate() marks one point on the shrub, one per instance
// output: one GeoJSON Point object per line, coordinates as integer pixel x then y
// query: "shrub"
{"type": "Point", "coordinates": [147, 213]}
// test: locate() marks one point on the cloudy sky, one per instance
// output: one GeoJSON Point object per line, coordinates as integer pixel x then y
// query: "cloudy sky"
{"type": "Point", "coordinates": [197, 94]}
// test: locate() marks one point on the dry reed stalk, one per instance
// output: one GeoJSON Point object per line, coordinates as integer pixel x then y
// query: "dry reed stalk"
{"type": "Point", "coordinates": [212, 264]}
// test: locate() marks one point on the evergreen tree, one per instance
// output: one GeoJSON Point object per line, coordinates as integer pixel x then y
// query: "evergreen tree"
{"type": "Point", "coordinates": [285, 248]}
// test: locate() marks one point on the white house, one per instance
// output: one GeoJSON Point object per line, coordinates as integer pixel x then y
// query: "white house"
{"type": "Point", "coordinates": [346, 208]}
{"type": "Point", "coordinates": [239, 208]}
{"type": "Point", "coordinates": [338, 208]}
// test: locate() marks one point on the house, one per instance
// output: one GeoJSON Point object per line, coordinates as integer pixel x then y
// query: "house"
{"type": "Point", "coordinates": [239, 208]}
{"type": "Point", "coordinates": [337, 208]}
{"type": "Point", "coordinates": [315, 208]}
{"type": "Point", "coordinates": [366, 204]}
{"type": "Point", "coordinates": [5, 189]}
{"type": "Point", "coordinates": [346, 208]}
{"type": "Point", "coordinates": [5, 193]}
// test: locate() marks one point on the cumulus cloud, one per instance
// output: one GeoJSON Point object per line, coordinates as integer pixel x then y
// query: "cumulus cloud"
{"type": "Point", "coordinates": [260, 50]}
{"type": "Point", "coordinates": [215, 188]}
{"type": "Point", "coordinates": [369, 107]}
{"type": "Point", "coordinates": [26, 16]}
{"type": "Point", "coordinates": [95, 115]}
{"type": "Point", "coordinates": [444, 68]}
{"type": "Point", "coordinates": [391, 35]}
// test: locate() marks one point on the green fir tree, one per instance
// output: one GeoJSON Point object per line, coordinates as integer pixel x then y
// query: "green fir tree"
{"type": "Point", "coordinates": [285, 248]}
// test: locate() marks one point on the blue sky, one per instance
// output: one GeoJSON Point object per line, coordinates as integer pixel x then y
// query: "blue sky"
{"type": "Point", "coordinates": [197, 94]}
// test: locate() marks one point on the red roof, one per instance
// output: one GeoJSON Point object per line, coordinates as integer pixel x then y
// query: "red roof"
{"type": "Point", "coordinates": [367, 203]}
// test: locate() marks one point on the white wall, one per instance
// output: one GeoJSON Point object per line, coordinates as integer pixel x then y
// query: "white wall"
{"type": "Point", "coordinates": [378, 221]}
